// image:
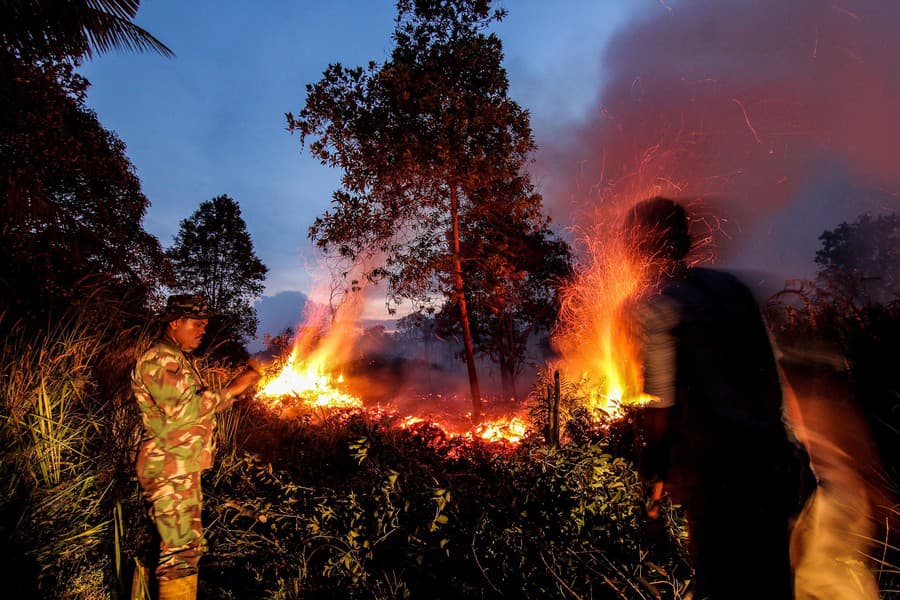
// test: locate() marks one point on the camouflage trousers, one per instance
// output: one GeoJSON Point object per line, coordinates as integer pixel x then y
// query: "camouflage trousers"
{"type": "Point", "coordinates": [175, 507]}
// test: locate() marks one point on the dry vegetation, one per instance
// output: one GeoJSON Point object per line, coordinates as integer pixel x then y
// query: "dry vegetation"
{"type": "Point", "coordinates": [344, 506]}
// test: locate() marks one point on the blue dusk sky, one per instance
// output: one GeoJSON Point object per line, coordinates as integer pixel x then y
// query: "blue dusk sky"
{"type": "Point", "coordinates": [211, 120]}
{"type": "Point", "coordinates": [782, 118]}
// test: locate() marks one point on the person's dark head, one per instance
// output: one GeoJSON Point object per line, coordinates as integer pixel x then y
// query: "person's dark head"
{"type": "Point", "coordinates": [185, 318]}
{"type": "Point", "coordinates": [657, 230]}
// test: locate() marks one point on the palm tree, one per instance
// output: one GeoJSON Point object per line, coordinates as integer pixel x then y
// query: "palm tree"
{"type": "Point", "coordinates": [73, 28]}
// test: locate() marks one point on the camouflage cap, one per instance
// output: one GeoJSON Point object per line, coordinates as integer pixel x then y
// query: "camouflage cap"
{"type": "Point", "coordinates": [192, 306]}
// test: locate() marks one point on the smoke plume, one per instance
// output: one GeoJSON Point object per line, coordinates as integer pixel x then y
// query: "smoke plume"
{"type": "Point", "coordinates": [779, 119]}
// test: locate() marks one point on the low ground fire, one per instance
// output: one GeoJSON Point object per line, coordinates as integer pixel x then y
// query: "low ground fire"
{"type": "Point", "coordinates": [598, 355]}
{"type": "Point", "coordinates": [309, 382]}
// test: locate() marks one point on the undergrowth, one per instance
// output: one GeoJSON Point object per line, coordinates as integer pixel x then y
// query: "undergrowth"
{"type": "Point", "coordinates": [352, 508]}
{"type": "Point", "coordinates": [325, 506]}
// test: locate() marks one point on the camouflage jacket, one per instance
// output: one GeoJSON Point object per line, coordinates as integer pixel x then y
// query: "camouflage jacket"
{"type": "Point", "coordinates": [178, 412]}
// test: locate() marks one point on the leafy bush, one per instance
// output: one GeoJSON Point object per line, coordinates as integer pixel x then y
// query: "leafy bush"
{"type": "Point", "coordinates": [351, 507]}
{"type": "Point", "coordinates": [346, 506]}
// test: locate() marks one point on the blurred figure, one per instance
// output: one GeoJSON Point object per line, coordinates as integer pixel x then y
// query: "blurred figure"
{"type": "Point", "coordinates": [714, 434]}
{"type": "Point", "coordinates": [835, 532]}
{"type": "Point", "coordinates": [179, 416]}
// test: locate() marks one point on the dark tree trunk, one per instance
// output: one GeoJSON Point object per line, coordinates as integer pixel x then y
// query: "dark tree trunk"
{"type": "Point", "coordinates": [463, 309]}
{"type": "Point", "coordinates": [508, 358]}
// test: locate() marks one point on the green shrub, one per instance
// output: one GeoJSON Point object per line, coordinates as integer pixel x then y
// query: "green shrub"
{"type": "Point", "coordinates": [353, 508]}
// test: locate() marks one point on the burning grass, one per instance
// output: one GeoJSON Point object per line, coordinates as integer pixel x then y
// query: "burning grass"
{"type": "Point", "coordinates": [505, 422]}
{"type": "Point", "coordinates": [305, 386]}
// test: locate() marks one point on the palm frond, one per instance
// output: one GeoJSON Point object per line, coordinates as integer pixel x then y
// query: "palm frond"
{"type": "Point", "coordinates": [74, 28]}
{"type": "Point", "coordinates": [125, 9]}
{"type": "Point", "coordinates": [107, 31]}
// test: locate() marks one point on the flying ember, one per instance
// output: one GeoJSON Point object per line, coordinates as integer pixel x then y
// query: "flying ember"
{"type": "Point", "coordinates": [599, 350]}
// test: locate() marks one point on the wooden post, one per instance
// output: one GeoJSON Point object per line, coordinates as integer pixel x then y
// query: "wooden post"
{"type": "Point", "coordinates": [554, 409]}
{"type": "Point", "coordinates": [548, 433]}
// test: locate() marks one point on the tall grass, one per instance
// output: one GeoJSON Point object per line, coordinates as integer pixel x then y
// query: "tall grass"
{"type": "Point", "coordinates": [55, 467]}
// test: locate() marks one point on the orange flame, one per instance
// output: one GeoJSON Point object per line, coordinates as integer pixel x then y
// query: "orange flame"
{"type": "Point", "coordinates": [309, 382]}
{"type": "Point", "coordinates": [510, 430]}
{"type": "Point", "coordinates": [309, 373]}
{"type": "Point", "coordinates": [598, 347]}
{"type": "Point", "coordinates": [503, 429]}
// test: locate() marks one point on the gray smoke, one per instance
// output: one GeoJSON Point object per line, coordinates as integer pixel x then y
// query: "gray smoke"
{"type": "Point", "coordinates": [782, 118]}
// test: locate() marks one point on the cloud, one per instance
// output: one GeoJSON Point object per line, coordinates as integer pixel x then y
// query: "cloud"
{"type": "Point", "coordinates": [284, 310]}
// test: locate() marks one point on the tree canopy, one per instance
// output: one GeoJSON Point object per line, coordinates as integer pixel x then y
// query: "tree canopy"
{"type": "Point", "coordinates": [71, 205]}
{"type": "Point", "coordinates": [427, 142]}
{"type": "Point", "coordinates": [860, 261]}
{"type": "Point", "coordinates": [514, 268]}
{"type": "Point", "coordinates": [213, 255]}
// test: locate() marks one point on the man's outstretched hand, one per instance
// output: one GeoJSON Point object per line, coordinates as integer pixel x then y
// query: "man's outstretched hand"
{"type": "Point", "coordinates": [261, 362]}
{"type": "Point", "coordinates": [243, 382]}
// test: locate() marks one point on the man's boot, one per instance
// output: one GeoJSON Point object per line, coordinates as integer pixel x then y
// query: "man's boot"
{"type": "Point", "coordinates": [183, 588]}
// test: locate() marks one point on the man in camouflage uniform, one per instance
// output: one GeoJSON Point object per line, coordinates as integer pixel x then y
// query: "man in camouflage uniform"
{"type": "Point", "coordinates": [178, 412]}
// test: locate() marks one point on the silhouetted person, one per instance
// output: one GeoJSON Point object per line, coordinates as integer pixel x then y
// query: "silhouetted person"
{"type": "Point", "coordinates": [715, 433]}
